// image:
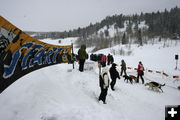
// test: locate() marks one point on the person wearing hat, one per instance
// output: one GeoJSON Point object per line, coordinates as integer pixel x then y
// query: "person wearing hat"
{"type": "Point", "coordinates": [140, 72]}
{"type": "Point", "coordinates": [114, 74]}
{"type": "Point", "coordinates": [104, 84]}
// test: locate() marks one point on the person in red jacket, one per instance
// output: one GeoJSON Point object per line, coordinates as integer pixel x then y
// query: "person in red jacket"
{"type": "Point", "coordinates": [103, 61]}
{"type": "Point", "coordinates": [140, 72]}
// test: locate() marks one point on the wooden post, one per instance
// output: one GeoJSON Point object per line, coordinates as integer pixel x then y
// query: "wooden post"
{"type": "Point", "coordinates": [99, 66]}
{"type": "Point", "coordinates": [72, 54]}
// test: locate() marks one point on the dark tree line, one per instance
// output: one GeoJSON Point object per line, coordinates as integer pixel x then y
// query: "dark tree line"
{"type": "Point", "coordinates": [164, 24]}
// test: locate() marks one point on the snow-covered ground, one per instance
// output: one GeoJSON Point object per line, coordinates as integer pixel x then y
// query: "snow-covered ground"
{"type": "Point", "coordinates": [66, 41]}
{"type": "Point", "coordinates": [59, 92]}
{"type": "Point", "coordinates": [157, 57]}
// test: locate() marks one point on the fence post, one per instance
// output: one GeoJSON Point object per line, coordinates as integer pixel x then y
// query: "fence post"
{"type": "Point", "coordinates": [72, 54]}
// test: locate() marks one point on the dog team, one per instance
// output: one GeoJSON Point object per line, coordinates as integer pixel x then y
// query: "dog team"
{"type": "Point", "coordinates": [114, 74]}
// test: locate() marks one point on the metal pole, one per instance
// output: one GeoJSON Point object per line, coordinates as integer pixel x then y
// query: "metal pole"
{"type": "Point", "coordinates": [176, 64]}
{"type": "Point", "coordinates": [176, 58]}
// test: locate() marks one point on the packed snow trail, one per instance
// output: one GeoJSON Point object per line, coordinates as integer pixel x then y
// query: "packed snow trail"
{"type": "Point", "coordinates": [54, 93]}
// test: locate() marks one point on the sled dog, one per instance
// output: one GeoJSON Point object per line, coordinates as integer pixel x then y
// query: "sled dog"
{"type": "Point", "coordinates": [126, 77]}
{"type": "Point", "coordinates": [155, 86]}
{"type": "Point", "coordinates": [133, 77]}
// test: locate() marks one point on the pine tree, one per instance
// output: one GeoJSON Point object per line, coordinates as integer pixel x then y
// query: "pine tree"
{"type": "Point", "coordinates": [106, 32]}
{"type": "Point", "coordinates": [140, 37]}
{"type": "Point", "coordinates": [124, 39]}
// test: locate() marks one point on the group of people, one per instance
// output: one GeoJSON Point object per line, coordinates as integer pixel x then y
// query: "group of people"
{"type": "Point", "coordinates": [109, 59]}
{"type": "Point", "coordinates": [103, 59]}
{"type": "Point", "coordinates": [114, 74]}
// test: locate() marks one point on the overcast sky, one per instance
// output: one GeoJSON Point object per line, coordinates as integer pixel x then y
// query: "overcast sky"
{"type": "Point", "coordinates": [60, 15]}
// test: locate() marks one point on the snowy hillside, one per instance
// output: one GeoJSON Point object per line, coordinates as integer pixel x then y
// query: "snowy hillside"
{"type": "Point", "coordinates": [112, 31]}
{"type": "Point", "coordinates": [59, 92]}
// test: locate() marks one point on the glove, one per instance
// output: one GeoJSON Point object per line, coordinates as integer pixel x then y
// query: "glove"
{"type": "Point", "coordinates": [104, 86]}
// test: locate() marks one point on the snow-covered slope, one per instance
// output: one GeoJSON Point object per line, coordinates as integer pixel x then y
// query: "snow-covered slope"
{"type": "Point", "coordinates": [59, 92]}
{"type": "Point", "coordinates": [113, 31]}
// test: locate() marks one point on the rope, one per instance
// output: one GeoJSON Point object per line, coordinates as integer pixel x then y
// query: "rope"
{"type": "Point", "coordinates": [165, 74]}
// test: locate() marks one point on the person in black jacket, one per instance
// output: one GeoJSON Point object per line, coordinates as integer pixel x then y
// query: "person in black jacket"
{"type": "Point", "coordinates": [114, 74]}
{"type": "Point", "coordinates": [110, 59]}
